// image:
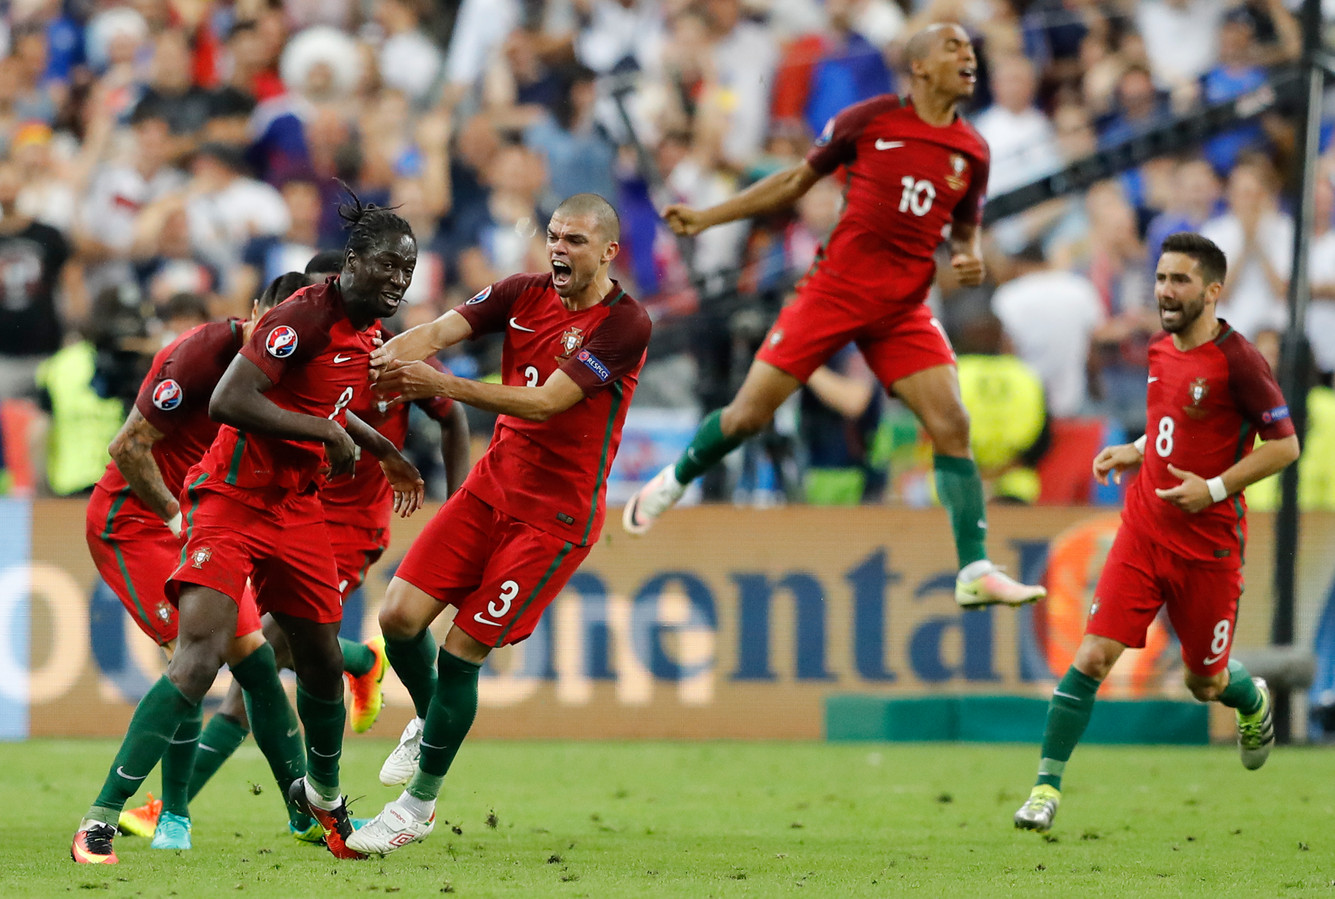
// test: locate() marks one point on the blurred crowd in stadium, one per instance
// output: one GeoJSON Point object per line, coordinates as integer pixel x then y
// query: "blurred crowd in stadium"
{"type": "Point", "coordinates": [162, 160]}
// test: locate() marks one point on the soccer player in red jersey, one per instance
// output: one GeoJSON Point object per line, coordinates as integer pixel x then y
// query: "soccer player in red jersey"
{"type": "Point", "coordinates": [1184, 525]}
{"type": "Point", "coordinates": [505, 545]}
{"type": "Point", "coordinates": [915, 170]}
{"type": "Point", "coordinates": [252, 510]}
{"type": "Point", "coordinates": [133, 528]}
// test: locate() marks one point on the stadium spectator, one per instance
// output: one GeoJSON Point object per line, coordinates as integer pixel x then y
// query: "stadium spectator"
{"type": "Point", "coordinates": [743, 56]}
{"type": "Point", "coordinates": [577, 151]}
{"type": "Point", "coordinates": [171, 95]}
{"type": "Point", "coordinates": [839, 414]}
{"type": "Point", "coordinates": [32, 265]}
{"type": "Point", "coordinates": [1321, 307]}
{"type": "Point", "coordinates": [1181, 38]}
{"type": "Point", "coordinates": [1192, 201]}
{"type": "Point", "coordinates": [409, 59]}
{"type": "Point", "coordinates": [1257, 238]}
{"type": "Point", "coordinates": [822, 72]}
{"type": "Point", "coordinates": [267, 256]}
{"type": "Point", "coordinates": [1237, 71]}
{"type": "Point", "coordinates": [1050, 317]}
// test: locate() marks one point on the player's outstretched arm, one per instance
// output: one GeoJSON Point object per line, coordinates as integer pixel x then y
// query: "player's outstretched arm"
{"type": "Point", "coordinates": [239, 401]}
{"type": "Point", "coordinates": [422, 341]}
{"type": "Point", "coordinates": [415, 380]}
{"type": "Point", "coordinates": [1113, 460]}
{"type": "Point", "coordinates": [132, 451]}
{"type": "Point", "coordinates": [770, 194]}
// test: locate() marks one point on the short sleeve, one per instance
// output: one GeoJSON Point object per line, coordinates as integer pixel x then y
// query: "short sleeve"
{"type": "Point", "coordinates": [613, 350]}
{"type": "Point", "coordinates": [488, 311]}
{"type": "Point", "coordinates": [837, 143]}
{"type": "Point", "coordinates": [1255, 391]}
{"type": "Point", "coordinates": [292, 332]}
{"type": "Point", "coordinates": [182, 377]}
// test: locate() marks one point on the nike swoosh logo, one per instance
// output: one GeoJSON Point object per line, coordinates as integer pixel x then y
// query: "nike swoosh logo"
{"type": "Point", "coordinates": [518, 327]}
{"type": "Point", "coordinates": [121, 771]}
{"type": "Point", "coordinates": [888, 144]}
{"type": "Point", "coordinates": [1151, 380]}
{"type": "Point", "coordinates": [293, 732]}
{"type": "Point", "coordinates": [480, 620]}
{"type": "Point", "coordinates": [1212, 659]}
{"type": "Point", "coordinates": [341, 358]}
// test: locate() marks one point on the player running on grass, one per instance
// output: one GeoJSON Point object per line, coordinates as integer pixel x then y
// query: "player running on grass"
{"type": "Point", "coordinates": [915, 170]}
{"type": "Point", "coordinates": [505, 545]}
{"type": "Point", "coordinates": [252, 510]}
{"type": "Point", "coordinates": [1184, 525]}
{"type": "Point", "coordinates": [357, 513]}
{"type": "Point", "coordinates": [133, 527]}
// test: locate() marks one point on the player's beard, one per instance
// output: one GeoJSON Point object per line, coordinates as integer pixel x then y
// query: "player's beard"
{"type": "Point", "coordinates": [1190, 310]}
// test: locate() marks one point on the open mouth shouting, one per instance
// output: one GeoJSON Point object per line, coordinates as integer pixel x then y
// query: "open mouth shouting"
{"type": "Point", "coordinates": [562, 274]}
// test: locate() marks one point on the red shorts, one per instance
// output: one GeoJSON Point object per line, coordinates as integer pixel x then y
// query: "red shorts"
{"type": "Point", "coordinates": [135, 554]}
{"type": "Point", "coordinates": [499, 572]}
{"type": "Point", "coordinates": [1140, 577]}
{"type": "Point", "coordinates": [283, 549]}
{"type": "Point", "coordinates": [355, 550]}
{"type": "Point", "coordinates": [815, 326]}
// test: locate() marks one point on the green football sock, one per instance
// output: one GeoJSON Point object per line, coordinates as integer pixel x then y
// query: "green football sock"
{"type": "Point", "coordinates": [1241, 693]}
{"type": "Point", "coordinates": [452, 711]}
{"type": "Point", "coordinates": [323, 720]}
{"type": "Point", "coordinates": [271, 719]}
{"type": "Point", "coordinates": [414, 662]}
{"type": "Point", "coordinates": [155, 720]}
{"type": "Point", "coordinates": [221, 737]}
{"type": "Point", "coordinates": [1068, 715]}
{"type": "Point", "coordinates": [357, 657]}
{"type": "Point", "coordinates": [960, 490]}
{"type": "Point", "coordinates": [707, 448]}
{"type": "Point", "coordinates": [178, 764]}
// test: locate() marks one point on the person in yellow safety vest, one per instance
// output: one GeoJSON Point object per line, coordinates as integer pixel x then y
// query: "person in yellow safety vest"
{"type": "Point", "coordinates": [83, 422]}
{"type": "Point", "coordinates": [1008, 415]}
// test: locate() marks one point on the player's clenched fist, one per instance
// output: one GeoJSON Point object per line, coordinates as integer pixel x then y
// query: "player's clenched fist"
{"type": "Point", "coordinates": [1115, 460]}
{"type": "Point", "coordinates": [684, 220]}
{"type": "Point", "coordinates": [341, 451]}
{"type": "Point", "coordinates": [968, 269]}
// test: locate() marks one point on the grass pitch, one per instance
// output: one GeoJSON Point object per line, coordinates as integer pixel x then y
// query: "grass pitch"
{"type": "Point", "coordinates": [720, 819]}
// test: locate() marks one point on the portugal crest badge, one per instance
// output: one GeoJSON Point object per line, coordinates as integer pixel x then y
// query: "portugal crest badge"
{"type": "Point", "coordinates": [571, 340]}
{"type": "Point", "coordinates": [959, 169]}
{"type": "Point", "coordinates": [1198, 391]}
{"type": "Point", "coordinates": [200, 556]}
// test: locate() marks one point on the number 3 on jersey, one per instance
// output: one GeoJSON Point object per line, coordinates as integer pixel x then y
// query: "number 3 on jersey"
{"type": "Point", "coordinates": [1163, 441]}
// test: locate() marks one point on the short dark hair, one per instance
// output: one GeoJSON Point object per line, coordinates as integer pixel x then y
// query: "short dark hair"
{"type": "Point", "coordinates": [368, 223]}
{"type": "Point", "coordinates": [281, 288]}
{"type": "Point", "coordinates": [609, 223]}
{"type": "Point", "coordinates": [185, 304]}
{"type": "Point", "coordinates": [324, 262]}
{"type": "Point", "coordinates": [1211, 259]}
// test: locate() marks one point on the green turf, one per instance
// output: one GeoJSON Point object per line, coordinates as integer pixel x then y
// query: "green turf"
{"type": "Point", "coordinates": [722, 819]}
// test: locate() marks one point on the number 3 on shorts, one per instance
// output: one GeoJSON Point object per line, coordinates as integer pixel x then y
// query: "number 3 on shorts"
{"type": "Point", "coordinates": [500, 606]}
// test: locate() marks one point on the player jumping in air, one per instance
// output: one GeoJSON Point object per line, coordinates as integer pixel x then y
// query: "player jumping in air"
{"type": "Point", "coordinates": [1184, 526]}
{"type": "Point", "coordinates": [915, 169]}
{"type": "Point", "coordinates": [252, 510]}
{"type": "Point", "coordinates": [505, 545]}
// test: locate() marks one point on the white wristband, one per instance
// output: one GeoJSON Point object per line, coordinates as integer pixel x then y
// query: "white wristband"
{"type": "Point", "coordinates": [1218, 492]}
{"type": "Point", "coordinates": [174, 525]}
{"type": "Point", "coordinates": [1140, 444]}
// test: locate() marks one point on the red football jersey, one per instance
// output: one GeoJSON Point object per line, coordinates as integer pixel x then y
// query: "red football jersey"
{"type": "Point", "coordinates": [1205, 408]}
{"type": "Point", "coordinates": [174, 398]}
{"type": "Point", "coordinates": [318, 363]}
{"type": "Point", "coordinates": [553, 474]}
{"type": "Point", "coordinates": [906, 182]}
{"type": "Point", "coordinates": [365, 499]}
